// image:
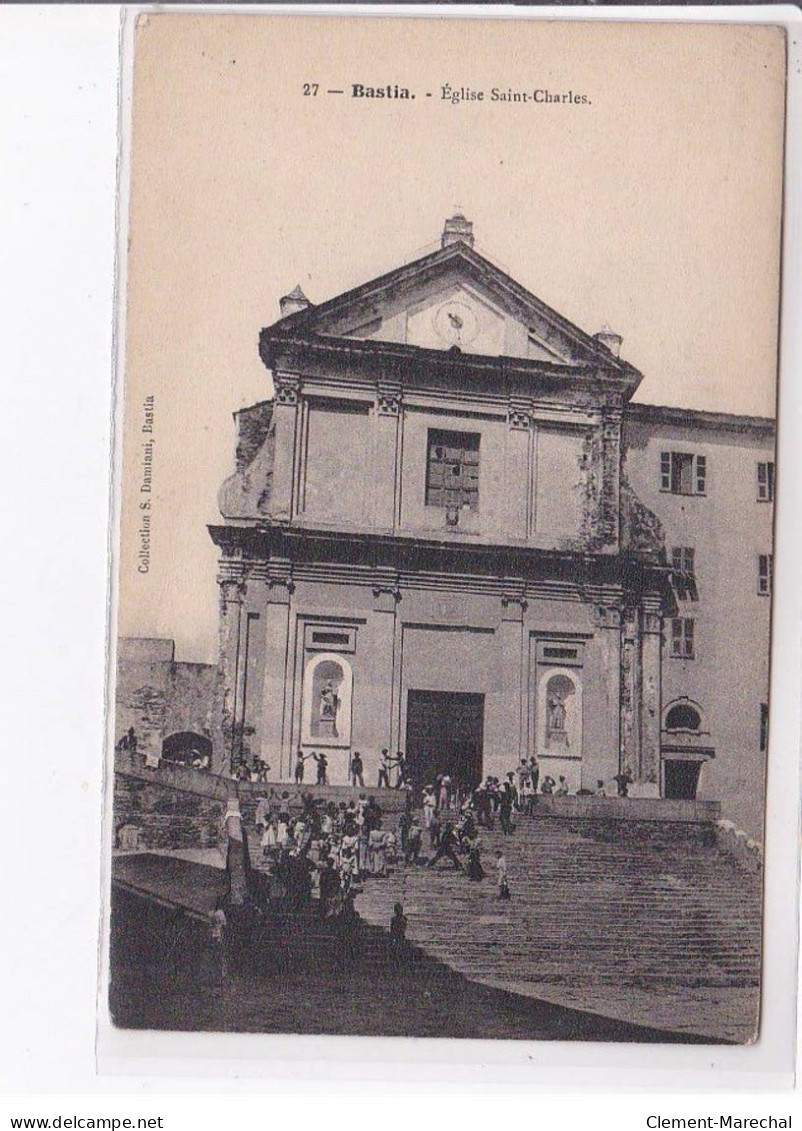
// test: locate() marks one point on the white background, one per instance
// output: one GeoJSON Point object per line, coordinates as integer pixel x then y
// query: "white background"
{"type": "Point", "coordinates": [58, 154]}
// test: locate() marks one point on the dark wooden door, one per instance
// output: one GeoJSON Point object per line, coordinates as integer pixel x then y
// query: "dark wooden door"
{"type": "Point", "coordinates": [445, 732]}
{"type": "Point", "coordinates": [681, 779]}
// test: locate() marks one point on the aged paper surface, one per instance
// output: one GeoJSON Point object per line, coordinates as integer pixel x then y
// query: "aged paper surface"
{"type": "Point", "coordinates": [495, 546]}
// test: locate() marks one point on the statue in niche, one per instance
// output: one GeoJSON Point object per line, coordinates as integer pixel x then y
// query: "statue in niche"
{"type": "Point", "coordinates": [556, 731]}
{"type": "Point", "coordinates": [329, 702]}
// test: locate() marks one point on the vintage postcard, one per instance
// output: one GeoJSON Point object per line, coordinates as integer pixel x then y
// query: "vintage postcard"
{"type": "Point", "coordinates": [441, 655]}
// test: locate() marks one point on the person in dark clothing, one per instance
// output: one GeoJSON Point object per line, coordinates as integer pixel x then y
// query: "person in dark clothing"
{"type": "Point", "coordinates": [506, 801]}
{"type": "Point", "coordinates": [623, 780]}
{"type": "Point", "coordinates": [372, 815]}
{"type": "Point", "coordinates": [398, 926]}
{"type": "Point", "coordinates": [322, 768]}
{"type": "Point", "coordinates": [467, 830]}
{"type": "Point", "coordinates": [447, 847]}
{"type": "Point", "coordinates": [403, 832]}
{"type": "Point", "coordinates": [357, 770]}
{"type": "Point", "coordinates": [401, 764]}
{"type": "Point", "coordinates": [475, 870]}
{"type": "Point", "coordinates": [329, 886]}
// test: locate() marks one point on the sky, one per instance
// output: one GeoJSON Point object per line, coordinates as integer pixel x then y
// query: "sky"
{"type": "Point", "coordinates": [654, 206]}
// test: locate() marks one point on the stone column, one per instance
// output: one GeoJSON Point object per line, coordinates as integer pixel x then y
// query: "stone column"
{"type": "Point", "coordinates": [285, 417]}
{"type": "Point", "coordinates": [651, 661]}
{"type": "Point", "coordinates": [277, 686]}
{"type": "Point", "coordinates": [380, 686]}
{"type": "Point", "coordinates": [630, 693]}
{"type": "Point", "coordinates": [388, 427]}
{"type": "Point", "coordinates": [506, 740]}
{"type": "Point", "coordinates": [602, 754]}
{"type": "Point", "coordinates": [232, 593]}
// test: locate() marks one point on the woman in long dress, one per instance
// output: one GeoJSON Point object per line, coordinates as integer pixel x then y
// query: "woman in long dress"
{"type": "Point", "coordinates": [475, 870]}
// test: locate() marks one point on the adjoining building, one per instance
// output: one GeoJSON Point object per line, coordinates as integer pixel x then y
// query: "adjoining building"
{"type": "Point", "coordinates": [451, 532]}
{"type": "Point", "coordinates": [168, 703]}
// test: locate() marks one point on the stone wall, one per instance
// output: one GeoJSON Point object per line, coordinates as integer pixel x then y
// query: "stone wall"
{"type": "Point", "coordinates": [166, 816]}
{"type": "Point", "coordinates": [158, 696]}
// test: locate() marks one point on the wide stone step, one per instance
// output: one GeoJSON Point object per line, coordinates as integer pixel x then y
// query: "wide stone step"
{"type": "Point", "coordinates": [668, 921]}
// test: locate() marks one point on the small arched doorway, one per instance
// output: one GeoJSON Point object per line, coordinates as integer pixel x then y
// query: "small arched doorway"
{"type": "Point", "coordinates": [187, 748]}
{"type": "Point", "coordinates": [685, 749]}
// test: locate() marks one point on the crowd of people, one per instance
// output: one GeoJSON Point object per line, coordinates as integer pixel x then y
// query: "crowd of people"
{"type": "Point", "coordinates": [328, 848]}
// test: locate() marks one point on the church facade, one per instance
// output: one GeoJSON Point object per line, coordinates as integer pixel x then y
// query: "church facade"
{"type": "Point", "coordinates": [450, 532]}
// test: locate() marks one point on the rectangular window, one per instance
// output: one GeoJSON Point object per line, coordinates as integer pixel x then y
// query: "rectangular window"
{"type": "Point", "coordinates": [764, 726]}
{"type": "Point", "coordinates": [764, 571]}
{"type": "Point", "coordinates": [682, 560]}
{"type": "Point", "coordinates": [683, 473]}
{"type": "Point", "coordinates": [452, 470]}
{"type": "Point", "coordinates": [765, 482]}
{"type": "Point", "coordinates": [682, 637]}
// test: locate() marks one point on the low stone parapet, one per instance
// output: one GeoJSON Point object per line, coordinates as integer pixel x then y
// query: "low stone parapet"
{"type": "Point", "coordinates": [738, 844]}
{"type": "Point", "coordinates": [660, 809]}
{"type": "Point", "coordinates": [173, 806]}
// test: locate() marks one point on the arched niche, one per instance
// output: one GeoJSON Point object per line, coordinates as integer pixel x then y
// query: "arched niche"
{"type": "Point", "coordinates": [327, 696]}
{"type": "Point", "coordinates": [559, 725]}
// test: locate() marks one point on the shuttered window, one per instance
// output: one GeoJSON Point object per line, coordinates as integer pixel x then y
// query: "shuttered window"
{"type": "Point", "coordinates": [765, 482]}
{"type": "Point", "coordinates": [682, 640]}
{"type": "Point", "coordinates": [764, 571]}
{"type": "Point", "coordinates": [452, 471]}
{"type": "Point", "coordinates": [683, 473]}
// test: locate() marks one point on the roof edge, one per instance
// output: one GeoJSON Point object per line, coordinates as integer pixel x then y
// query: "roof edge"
{"type": "Point", "coordinates": [700, 418]}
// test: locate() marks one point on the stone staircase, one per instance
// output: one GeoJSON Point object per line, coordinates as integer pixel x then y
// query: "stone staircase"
{"type": "Point", "coordinates": [642, 922]}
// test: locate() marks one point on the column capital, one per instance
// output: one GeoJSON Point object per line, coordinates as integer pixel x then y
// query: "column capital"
{"type": "Point", "coordinates": [513, 602]}
{"type": "Point", "coordinates": [287, 386]}
{"type": "Point", "coordinates": [386, 591]}
{"type": "Point", "coordinates": [278, 578]}
{"type": "Point", "coordinates": [388, 401]}
{"type": "Point", "coordinates": [611, 423]}
{"type": "Point", "coordinates": [607, 616]}
{"type": "Point", "coordinates": [519, 414]}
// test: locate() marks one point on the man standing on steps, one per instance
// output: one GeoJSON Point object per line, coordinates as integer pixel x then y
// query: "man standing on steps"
{"type": "Point", "coordinates": [446, 847]}
{"type": "Point", "coordinates": [322, 768]}
{"type": "Point", "coordinates": [386, 765]}
{"type": "Point", "coordinates": [534, 773]}
{"type": "Point", "coordinates": [357, 770]}
{"type": "Point", "coordinates": [299, 767]}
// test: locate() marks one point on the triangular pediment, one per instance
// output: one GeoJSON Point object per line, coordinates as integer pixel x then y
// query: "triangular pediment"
{"type": "Point", "coordinates": [452, 298]}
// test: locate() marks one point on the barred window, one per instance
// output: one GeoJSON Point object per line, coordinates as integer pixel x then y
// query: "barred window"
{"type": "Point", "coordinates": [683, 473]}
{"type": "Point", "coordinates": [765, 482]}
{"type": "Point", "coordinates": [452, 470]}
{"type": "Point", "coordinates": [764, 572]}
{"type": "Point", "coordinates": [682, 637]}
